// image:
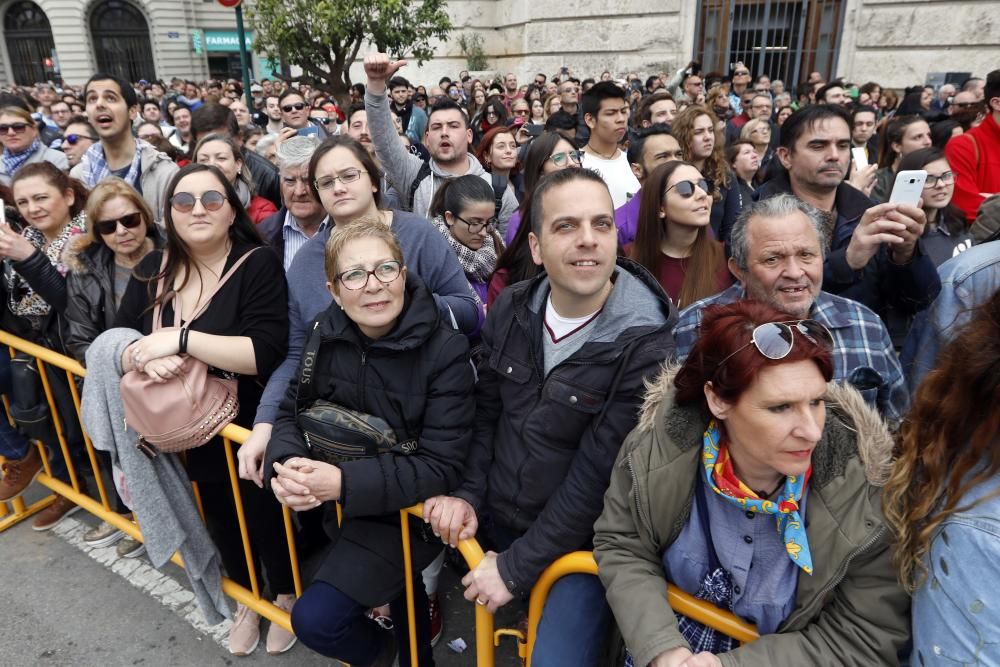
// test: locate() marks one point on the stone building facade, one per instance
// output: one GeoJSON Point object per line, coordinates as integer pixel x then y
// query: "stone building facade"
{"type": "Point", "coordinates": [893, 42]}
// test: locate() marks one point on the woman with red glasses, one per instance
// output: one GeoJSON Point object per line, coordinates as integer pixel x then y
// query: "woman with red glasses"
{"type": "Point", "coordinates": [753, 484]}
{"type": "Point", "coordinates": [21, 144]}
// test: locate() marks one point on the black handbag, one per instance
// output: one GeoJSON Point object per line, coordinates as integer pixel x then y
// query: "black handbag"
{"type": "Point", "coordinates": [335, 433]}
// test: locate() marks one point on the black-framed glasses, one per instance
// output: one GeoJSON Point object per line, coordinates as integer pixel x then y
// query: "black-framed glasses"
{"type": "Point", "coordinates": [18, 128]}
{"type": "Point", "coordinates": [385, 273]}
{"type": "Point", "coordinates": [686, 188]}
{"type": "Point", "coordinates": [73, 139]}
{"type": "Point", "coordinates": [563, 158]}
{"type": "Point", "coordinates": [774, 340]}
{"type": "Point", "coordinates": [741, 73]}
{"type": "Point", "coordinates": [347, 176]}
{"type": "Point", "coordinates": [184, 202]}
{"type": "Point", "coordinates": [947, 178]}
{"type": "Point", "coordinates": [476, 227]}
{"type": "Point", "coordinates": [130, 221]}
{"type": "Point", "coordinates": [298, 106]}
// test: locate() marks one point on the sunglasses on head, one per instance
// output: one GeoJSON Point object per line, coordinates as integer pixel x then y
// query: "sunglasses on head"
{"type": "Point", "coordinates": [73, 139]}
{"type": "Point", "coordinates": [17, 127]}
{"type": "Point", "coordinates": [130, 221]}
{"type": "Point", "coordinates": [298, 106]}
{"type": "Point", "coordinates": [686, 188]}
{"type": "Point", "coordinates": [184, 202]}
{"type": "Point", "coordinates": [321, 120]}
{"type": "Point", "coordinates": [774, 340]}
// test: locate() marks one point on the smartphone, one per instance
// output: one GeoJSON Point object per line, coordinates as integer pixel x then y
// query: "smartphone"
{"type": "Point", "coordinates": [909, 187]}
{"type": "Point", "coordinates": [3, 213]}
{"type": "Point", "coordinates": [860, 158]}
{"type": "Point", "coordinates": [534, 130]}
{"type": "Point", "coordinates": [309, 130]}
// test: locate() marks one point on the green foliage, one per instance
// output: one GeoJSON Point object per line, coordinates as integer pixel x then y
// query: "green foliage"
{"type": "Point", "coordinates": [323, 37]}
{"type": "Point", "coordinates": [472, 48]}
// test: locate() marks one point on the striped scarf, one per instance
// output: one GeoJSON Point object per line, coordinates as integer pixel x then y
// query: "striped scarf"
{"type": "Point", "coordinates": [96, 169]}
{"type": "Point", "coordinates": [14, 161]}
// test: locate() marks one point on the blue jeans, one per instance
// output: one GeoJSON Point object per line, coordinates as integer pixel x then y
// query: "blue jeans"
{"type": "Point", "coordinates": [576, 616]}
{"type": "Point", "coordinates": [574, 625]}
{"type": "Point", "coordinates": [332, 624]}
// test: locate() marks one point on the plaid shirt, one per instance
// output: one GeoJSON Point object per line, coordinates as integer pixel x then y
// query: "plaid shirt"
{"type": "Point", "coordinates": [863, 354]}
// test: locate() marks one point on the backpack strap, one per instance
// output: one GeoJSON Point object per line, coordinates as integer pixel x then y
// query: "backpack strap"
{"type": "Point", "coordinates": [499, 188]}
{"type": "Point", "coordinates": [424, 172]}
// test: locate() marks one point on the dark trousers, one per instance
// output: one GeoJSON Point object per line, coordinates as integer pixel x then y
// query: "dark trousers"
{"type": "Point", "coordinates": [264, 525]}
{"type": "Point", "coordinates": [332, 624]}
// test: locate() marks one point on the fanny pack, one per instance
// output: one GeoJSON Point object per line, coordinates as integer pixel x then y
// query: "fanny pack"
{"type": "Point", "coordinates": [190, 408]}
{"type": "Point", "coordinates": [335, 433]}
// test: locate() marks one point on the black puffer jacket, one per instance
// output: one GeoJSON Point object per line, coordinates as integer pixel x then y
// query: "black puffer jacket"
{"type": "Point", "coordinates": [90, 298]}
{"type": "Point", "coordinates": [420, 380]}
{"type": "Point", "coordinates": [545, 444]}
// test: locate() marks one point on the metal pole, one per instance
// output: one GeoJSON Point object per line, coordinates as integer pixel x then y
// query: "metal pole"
{"type": "Point", "coordinates": [244, 58]}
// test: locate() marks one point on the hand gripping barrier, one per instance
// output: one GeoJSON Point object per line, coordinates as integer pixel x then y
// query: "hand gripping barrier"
{"type": "Point", "coordinates": [575, 563]}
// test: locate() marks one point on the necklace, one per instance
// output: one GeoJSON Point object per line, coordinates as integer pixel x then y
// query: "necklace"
{"type": "Point", "coordinates": [765, 496]}
{"type": "Point", "coordinates": [602, 155]}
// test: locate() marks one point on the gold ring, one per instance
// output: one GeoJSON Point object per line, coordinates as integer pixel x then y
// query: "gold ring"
{"type": "Point", "coordinates": [481, 602]}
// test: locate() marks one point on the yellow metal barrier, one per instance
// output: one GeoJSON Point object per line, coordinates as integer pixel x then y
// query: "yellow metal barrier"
{"type": "Point", "coordinates": [582, 562]}
{"type": "Point", "coordinates": [486, 639]}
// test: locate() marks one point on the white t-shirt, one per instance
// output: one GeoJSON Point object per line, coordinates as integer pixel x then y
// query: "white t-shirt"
{"type": "Point", "coordinates": [616, 173]}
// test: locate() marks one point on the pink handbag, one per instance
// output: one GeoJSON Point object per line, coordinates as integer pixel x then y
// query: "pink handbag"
{"type": "Point", "coordinates": [189, 409]}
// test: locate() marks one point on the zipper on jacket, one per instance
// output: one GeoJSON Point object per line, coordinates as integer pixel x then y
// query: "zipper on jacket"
{"type": "Point", "coordinates": [635, 491]}
{"type": "Point", "coordinates": [841, 571]}
{"type": "Point", "coordinates": [361, 383]}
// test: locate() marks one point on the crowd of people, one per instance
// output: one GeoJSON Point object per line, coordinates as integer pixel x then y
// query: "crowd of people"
{"type": "Point", "coordinates": [684, 322]}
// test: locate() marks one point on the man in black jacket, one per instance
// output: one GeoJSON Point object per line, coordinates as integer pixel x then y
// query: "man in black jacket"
{"type": "Point", "coordinates": [876, 256]}
{"type": "Point", "coordinates": [564, 359]}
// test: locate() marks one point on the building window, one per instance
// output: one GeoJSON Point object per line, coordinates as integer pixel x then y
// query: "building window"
{"type": "Point", "coordinates": [784, 39]}
{"type": "Point", "coordinates": [121, 41]}
{"type": "Point", "coordinates": [29, 43]}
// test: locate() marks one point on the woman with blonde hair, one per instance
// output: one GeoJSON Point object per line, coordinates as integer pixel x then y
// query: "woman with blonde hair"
{"type": "Point", "coordinates": [758, 132]}
{"type": "Point", "coordinates": [943, 500]}
{"type": "Point", "coordinates": [697, 131]}
{"type": "Point", "coordinates": [552, 104]}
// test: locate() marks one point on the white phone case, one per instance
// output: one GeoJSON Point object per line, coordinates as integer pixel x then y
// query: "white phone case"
{"type": "Point", "coordinates": [909, 187]}
{"type": "Point", "coordinates": [860, 158]}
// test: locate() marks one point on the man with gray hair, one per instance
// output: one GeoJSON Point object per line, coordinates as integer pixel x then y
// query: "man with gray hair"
{"type": "Point", "coordinates": [301, 215]}
{"type": "Point", "coordinates": [778, 246]}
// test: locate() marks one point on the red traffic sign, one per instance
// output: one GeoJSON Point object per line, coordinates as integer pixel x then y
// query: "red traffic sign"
{"type": "Point", "coordinates": [230, 3]}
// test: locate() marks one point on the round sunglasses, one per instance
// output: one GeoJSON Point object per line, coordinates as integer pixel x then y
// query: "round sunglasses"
{"type": "Point", "coordinates": [74, 139]}
{"type": "Point", "coordinates": [774, 340]}
{"type": "Point", "coordinates": [130, 221]}
{"type": "Point", "coordinates": [184, 202]}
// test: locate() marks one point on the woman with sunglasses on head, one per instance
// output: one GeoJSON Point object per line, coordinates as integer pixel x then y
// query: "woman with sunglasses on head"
{"type": "Point", "coordinates": [242, 332]}
{"type": "Point", "coordinates": [549, 153]}
{"type": "Point", "coordinates": [22, 145]}
{"type": "Point", "coordinates": [672, 238]}
{"type": "Point", "coordinates": [121, 232]}
{"type": "Point", "coordinates": [464, 211]}
{"type": "Point", "coordinates": [947, 233]}
{"type": "Point", "coordinates": [382, 348]}
{"type": "Point", "coordinates": [220, 151]}
{"type": "Point", "coordinates": [78, 136]}
{"type": "Point", "coordinates": [754, 484]}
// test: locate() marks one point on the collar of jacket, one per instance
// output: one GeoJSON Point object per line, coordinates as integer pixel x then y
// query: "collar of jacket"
{"type": "Point", "coordinates": [850, 203]}
{"type": "Point", "coordinates": [528, 300]}
{"type": "Point", "coordinates": [415, 325]}
{"type": "Point", "coordinates": [853, 454]}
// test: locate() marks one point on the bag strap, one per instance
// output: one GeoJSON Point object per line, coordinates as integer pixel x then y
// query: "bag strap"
{"type": "Point", "coordinates": [157, 310]}
{"type": "Point", "coordinates": [304, 390]}
{"type": "Point", "coordinates": [699, 499]}
{"type": "Point", "coordinates": [422, 173]}
{"type": "Point", "coordinates": [499, 188]}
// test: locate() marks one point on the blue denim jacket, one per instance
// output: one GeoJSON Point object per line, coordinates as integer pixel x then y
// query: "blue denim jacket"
{"type": "Point", "coordinates": [967, 281]}
{"type": "Point", "coordinates": [956, 613]}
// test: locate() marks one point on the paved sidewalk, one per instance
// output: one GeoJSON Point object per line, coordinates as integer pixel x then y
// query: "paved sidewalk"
{"type": "Point", "coordinates": [69, 604]}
